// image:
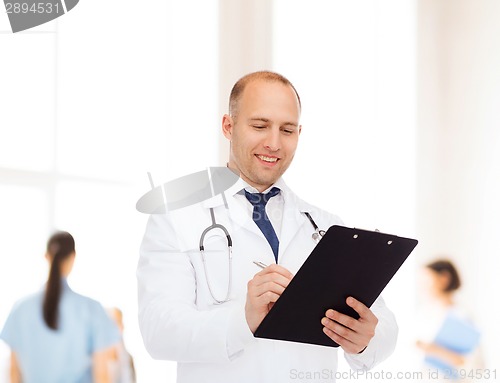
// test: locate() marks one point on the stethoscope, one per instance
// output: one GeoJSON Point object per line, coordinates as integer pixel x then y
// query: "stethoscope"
{"type": "Point", "coordinates": [316, 236]}
{"type": "Point", "coordinates": [216, 225]}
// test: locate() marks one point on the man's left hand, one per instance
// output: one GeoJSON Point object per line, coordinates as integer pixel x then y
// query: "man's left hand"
{"type": "Point", "coordinates": [353, 335]}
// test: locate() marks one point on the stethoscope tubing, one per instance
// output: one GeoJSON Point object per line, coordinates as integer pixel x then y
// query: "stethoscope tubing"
{"type": "Point", "coordinates": [316, 236]}
{"type": "Point", "coordinates": [213, 226]}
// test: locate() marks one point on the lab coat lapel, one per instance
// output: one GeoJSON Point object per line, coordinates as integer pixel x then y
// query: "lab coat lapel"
{"type": "Point", "coordinates": [292, 221]}
{"type": "Point", "coordinates": [240, 219]}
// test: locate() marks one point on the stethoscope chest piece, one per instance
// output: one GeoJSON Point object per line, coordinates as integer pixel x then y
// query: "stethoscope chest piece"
{"type": "Point", "coordinates": [317, 235]}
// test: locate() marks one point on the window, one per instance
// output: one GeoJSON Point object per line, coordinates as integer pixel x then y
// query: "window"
{"type": "Point", "coordinates": [89, 105]}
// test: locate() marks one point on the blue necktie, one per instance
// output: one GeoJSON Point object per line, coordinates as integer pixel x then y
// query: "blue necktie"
{"type": "Point", "coordinates": [259, 201]}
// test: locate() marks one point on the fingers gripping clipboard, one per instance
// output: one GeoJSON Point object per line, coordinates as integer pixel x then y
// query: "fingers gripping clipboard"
{"type": "Point", "coordinates": [346, 262]}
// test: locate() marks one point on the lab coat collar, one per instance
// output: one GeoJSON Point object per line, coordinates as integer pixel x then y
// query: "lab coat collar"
{"type": "Point", "coordinates": [236, 211]}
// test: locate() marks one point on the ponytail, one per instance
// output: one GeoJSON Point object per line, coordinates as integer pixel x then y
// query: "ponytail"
{"type": "Point", "coordinates": [59, 247]}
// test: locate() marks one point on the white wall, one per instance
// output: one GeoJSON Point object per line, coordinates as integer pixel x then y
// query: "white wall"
{"type": "Point", "coordinates": [458, 149]}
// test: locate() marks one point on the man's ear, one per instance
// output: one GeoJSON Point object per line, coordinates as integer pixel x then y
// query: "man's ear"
{"type": "Point", "coordinates": [227, 126]}
{"type": "Point", "coordinates": [300, 129]}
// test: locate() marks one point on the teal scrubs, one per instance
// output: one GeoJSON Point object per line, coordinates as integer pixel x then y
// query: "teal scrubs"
{"type": "Point", "coordinates": [63, 355]}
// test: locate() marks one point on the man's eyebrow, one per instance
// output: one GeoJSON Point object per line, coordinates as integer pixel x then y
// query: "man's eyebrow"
{"type": "Point", "coordinates": [266, 120]}
{"type": "Point", "coordinates": [259, 119]}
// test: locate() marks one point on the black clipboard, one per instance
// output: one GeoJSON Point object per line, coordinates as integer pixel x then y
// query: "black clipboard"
{"type": "Point", "coordinates": [346, 262]}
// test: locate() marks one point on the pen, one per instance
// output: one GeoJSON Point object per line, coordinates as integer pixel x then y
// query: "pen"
{"type": "Point", "coordinates": [260, 264]}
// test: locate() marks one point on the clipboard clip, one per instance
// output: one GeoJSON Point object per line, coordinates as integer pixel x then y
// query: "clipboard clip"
{"type": "Point", "coordinates": [389, 242]}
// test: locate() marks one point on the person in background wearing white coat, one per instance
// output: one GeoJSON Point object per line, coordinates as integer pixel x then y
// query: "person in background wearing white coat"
{"type": "Point", "coordinates": [183, 314]}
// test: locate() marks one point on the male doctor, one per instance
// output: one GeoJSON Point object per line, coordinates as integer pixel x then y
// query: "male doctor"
{"type": "Point", "coordinates": [180, 292]}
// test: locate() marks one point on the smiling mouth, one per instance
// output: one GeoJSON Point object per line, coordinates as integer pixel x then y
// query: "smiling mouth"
{"type": "Point", "coordinates": [267, 159]}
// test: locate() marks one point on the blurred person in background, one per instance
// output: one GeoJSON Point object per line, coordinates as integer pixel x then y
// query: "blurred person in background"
{"type": "Point", "coordinates": [121, 363]}
{"type": "Point", "coordinates": [449, 340]}
{"type": "Point", "coordinates": [57, 335]}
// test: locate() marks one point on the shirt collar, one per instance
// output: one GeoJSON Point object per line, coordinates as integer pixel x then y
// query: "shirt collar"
{"type": "Point", "coordinates": [241, 185]}
{"type": "Point", "coordinates": [238, 188]}
{"type": "Point", "coordinates": [64, 283]}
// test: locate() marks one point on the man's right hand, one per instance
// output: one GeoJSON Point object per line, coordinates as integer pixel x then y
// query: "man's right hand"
{"type": "Point", "coordinates": [262, 291]}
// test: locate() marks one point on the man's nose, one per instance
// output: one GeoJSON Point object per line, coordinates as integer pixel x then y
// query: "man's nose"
{"type": "Point", "coordinates": [273, 140]}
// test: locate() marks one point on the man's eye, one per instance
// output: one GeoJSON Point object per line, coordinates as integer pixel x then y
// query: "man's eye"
{"type": "Point", "coordinates": [258, 126]}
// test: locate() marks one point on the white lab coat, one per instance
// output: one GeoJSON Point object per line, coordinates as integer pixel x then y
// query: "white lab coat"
{"type": "Point", "coordinates": [212, 343]}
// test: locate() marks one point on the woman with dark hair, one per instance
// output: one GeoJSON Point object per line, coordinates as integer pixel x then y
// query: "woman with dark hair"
{"type": "Point", "coordinates": [447, 279]}
{"type": "Point", "coordinates": [57, 335]}
{"type": "Point", "coordinates": [444, 355]}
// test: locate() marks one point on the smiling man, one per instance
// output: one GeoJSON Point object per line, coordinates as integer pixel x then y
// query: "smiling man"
{"type": "Point", "coordinates": [262, 127]}
{"type": "Point", "coordinates": [200, 305]}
